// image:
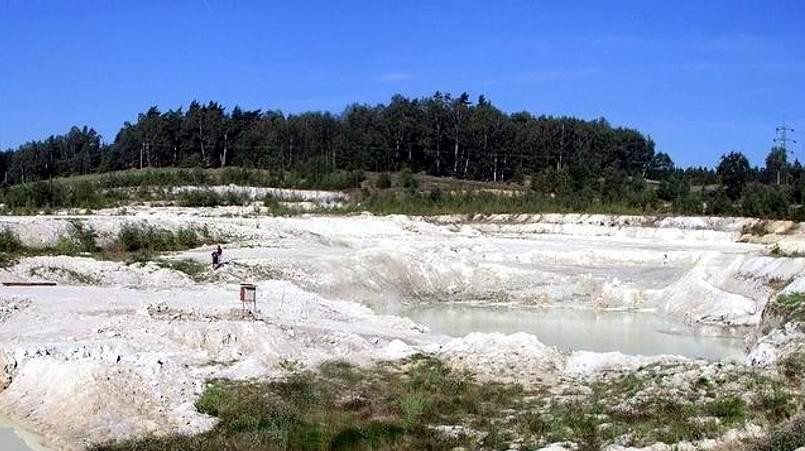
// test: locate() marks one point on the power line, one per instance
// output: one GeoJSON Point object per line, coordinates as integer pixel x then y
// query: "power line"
{"type": "Point", "coordinates": [782, 141]}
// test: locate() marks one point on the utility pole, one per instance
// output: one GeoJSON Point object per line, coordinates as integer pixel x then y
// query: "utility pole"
{"type": "Point", "coordinates": [782, 141]}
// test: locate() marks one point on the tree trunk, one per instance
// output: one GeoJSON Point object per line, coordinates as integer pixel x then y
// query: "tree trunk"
{"type": "Point", "coordinates": [455, 156]}
{"type": "Point", "coordinates": [201, 140]}
{"type": "Point", "coordinates": [438, 149]}
{"type": "Point", "coordinates": [223, 155]}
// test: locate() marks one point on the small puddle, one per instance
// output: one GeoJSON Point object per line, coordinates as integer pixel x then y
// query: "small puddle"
{"type": "Point", "coordinates": [588, 330]}
{"type": "Point", "coordinates": [12, 438]}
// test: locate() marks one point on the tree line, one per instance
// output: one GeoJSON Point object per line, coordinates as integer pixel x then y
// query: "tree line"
{"type": "Point", "coordinates": [442, 135]}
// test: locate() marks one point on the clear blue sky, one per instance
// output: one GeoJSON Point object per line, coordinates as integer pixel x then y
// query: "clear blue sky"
{"type": "Point", "coordinates": [701, 77]}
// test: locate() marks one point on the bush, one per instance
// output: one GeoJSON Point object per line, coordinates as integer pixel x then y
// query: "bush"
{"type": "Point", "coordinates": [83, 237]}
{"type": "Point", "coordinates": [383, 181]}
{"type": "Point", "coordinates": [276, 208]}
{"type": "Point", "coordinates": [408, 181]}
{"type": "Point", "coordinates": [10, 247]}
{"type": "Point", "coordinates": [763, 201]}
{"type": "Point", "coordinates": [9, 242]}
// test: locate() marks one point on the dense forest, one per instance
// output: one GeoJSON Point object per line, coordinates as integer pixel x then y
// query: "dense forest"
{"type": "Point", "coordinates": [440, 135]}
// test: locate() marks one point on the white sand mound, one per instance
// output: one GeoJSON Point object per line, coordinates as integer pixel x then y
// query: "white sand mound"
{"type": "Point", "coordinates": [519, 358]}
{"type": "Point", "coordinates": [88, 271]}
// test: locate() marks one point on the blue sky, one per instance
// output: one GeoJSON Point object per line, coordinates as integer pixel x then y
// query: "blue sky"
{"type": "Point", "coordinates": [701, 77]}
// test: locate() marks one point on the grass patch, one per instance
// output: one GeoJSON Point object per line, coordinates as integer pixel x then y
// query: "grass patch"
{"type": "Point", "coordinates": [192, 268]}
{"type": "Point", "coordinates": [341, 407]}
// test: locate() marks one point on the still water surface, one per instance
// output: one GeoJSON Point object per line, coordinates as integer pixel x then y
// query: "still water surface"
{"type": "Point", "coordinates": [589, 330]}
{"type": "Point", "coordinates": [14, 438]}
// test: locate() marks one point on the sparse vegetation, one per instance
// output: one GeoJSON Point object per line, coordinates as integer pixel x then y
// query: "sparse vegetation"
{"type": "Point", "coordinates": [136, 243]}
{"type": "Point", "coordinates": [784, 309]}
{"type": "Point", "coordinates": [149, 239]}
{"type": "Point", "coordinates": [403, 405]}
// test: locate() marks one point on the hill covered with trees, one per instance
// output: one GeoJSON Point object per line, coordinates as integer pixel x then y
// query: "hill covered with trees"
{"type": "Point", "coordinates": [576, 161]}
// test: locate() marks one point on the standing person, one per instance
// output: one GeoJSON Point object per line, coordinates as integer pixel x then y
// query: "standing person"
{"type": "Point", "coordinates": [215, 256]}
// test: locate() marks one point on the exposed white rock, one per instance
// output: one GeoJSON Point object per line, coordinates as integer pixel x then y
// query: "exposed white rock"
{"type": "Point", "coordinates": [125, 350]}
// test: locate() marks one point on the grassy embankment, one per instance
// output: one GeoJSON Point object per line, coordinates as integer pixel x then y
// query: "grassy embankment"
{"type": "Point", "coordinates": [402, 193]}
